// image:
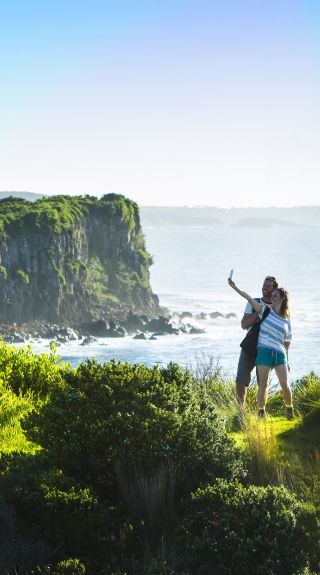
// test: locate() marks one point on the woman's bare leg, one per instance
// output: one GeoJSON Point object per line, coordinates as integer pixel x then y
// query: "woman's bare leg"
{"type": "Point", "coordinates": [282, 375]}
{"type": "Point", "coordinates": [263, 376]}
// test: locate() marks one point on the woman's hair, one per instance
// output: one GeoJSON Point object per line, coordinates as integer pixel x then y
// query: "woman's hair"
{"type": "Point", "coordinates": [285, 307]}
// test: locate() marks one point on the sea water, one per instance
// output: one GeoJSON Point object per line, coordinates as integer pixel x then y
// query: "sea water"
{"type": "Point", "coordinates": [190, 270]}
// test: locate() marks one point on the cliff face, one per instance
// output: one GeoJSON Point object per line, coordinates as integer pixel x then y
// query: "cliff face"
{"type": "Point", "coordinates": [73, 259]}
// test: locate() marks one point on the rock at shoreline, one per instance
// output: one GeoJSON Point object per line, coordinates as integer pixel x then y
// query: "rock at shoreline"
{"type": "Point", "coordinates": [140, 335]}
{"type": "Point", "coordinates": [89, 339]}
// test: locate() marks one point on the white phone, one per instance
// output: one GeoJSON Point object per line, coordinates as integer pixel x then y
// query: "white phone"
{"type": "Point", "coordinates": [231, 274]}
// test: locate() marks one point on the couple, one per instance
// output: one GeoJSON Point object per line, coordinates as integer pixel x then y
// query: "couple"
{"type": "Point", "coordinates": [273, 343]}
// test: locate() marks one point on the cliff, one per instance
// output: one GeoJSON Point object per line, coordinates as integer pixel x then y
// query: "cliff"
{"type": "Point", "coordinates": [73, 259]}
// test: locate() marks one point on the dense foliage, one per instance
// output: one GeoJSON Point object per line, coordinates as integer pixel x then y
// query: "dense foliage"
{"type": "Point", "coordinates": [120, 468]}
{"type": "Point", "coordinates": [61, 212]}
{"type": "Point", "coordinates": [251, 530]}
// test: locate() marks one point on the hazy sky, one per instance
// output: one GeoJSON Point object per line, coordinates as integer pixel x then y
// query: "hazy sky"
{"type": "Point", "coordinates": [170, 102]}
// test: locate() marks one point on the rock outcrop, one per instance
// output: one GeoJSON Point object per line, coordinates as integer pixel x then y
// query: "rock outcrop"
{"type": "Point", "coordinates": [71, 260]}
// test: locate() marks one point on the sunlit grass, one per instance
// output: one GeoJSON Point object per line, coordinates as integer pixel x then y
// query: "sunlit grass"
{"type": "Point", "coordinates": [13, 439]}
{"type": "Point", "coordinates": [13, 408]}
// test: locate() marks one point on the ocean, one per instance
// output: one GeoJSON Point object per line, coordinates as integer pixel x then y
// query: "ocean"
{"type": "Point", "coordinates": [190, 270]}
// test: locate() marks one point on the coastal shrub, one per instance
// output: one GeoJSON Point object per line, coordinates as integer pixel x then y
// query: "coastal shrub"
{"type": "Point", "coordinates": [230, 529]}
{"type": "Point", "coordinates": [69, 515]}
{"type": "Point", "coordinates": [27, 372]}
{"type": "Point", "coordinates": [121, 446]}
{"type": "Point", "coordinates": [119, 414]}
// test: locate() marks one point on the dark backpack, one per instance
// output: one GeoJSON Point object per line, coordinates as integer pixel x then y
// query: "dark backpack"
{"type": "Point", "coordinates": [250, 342]}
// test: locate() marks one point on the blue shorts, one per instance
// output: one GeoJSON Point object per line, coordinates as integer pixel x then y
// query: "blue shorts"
{"type": "Point", "coordinates": [270, 357]}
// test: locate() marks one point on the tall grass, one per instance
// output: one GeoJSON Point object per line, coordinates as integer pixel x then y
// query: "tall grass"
{"type": "Point", "coordinates": [306, 393]}
{"type": "Point", "coordinates": [275, 452]}
{"type": "Point", "coordinates": [265, 465]}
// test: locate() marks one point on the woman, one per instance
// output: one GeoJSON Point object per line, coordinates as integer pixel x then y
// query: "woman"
{"type": "Point", "coordinates": [273, 345]}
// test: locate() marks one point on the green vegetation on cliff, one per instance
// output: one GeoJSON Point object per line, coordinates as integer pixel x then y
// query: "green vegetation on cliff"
{"type": "Point", "coordinates": [60, 213]}
{"type": "Point", "coordinates": [121, 468]}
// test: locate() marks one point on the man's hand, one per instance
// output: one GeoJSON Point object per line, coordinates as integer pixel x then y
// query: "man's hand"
{"type": "Point", "coordinates": [249, 319]}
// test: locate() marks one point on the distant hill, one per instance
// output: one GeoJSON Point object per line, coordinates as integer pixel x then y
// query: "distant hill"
{"type": "Point", "coordinates": [244, 217]}
{"type": "Point", "coordinates": [30, 196]}
{"type": "Point", "coordinates": [265, 223]}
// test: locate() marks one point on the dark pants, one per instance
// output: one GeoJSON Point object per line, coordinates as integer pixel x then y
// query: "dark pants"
{"type": "Point", "coordinates": [245, 367]}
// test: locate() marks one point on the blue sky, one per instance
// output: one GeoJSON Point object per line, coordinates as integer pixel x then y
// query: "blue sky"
{"type": "Point", "coordinates": [168, 102]}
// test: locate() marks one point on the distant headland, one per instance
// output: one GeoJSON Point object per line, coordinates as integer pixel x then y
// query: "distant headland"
{"type": "Point", "coordinates": [73, 260]}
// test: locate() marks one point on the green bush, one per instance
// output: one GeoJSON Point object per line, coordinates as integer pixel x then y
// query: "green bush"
{"type": "Point", "coordinates": [121, 446]}
{"type": "Point", "coordinates": [126, 416]}
{"type": "Point", "coordinates": [28, 373]}
{"type": "Point", "coordinates": [255, 530]}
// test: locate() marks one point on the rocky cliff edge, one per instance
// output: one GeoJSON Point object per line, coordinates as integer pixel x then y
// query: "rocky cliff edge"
{"type": "Point", "coordinates": [72, 260]}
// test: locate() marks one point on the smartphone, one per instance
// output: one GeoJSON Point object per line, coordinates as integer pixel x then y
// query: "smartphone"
{"type": "Point", "coordinates": [231, 274]}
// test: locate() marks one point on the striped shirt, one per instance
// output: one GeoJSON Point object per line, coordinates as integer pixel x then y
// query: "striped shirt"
{"type": "Point", "coordinates": [274, 331]}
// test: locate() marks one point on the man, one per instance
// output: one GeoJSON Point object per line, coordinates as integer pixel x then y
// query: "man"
{"type": "Point", "coordinates": [247, 363]}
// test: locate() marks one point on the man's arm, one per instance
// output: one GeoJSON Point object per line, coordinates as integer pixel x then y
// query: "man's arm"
{"type": "Point", "coordinates": [249, 319]}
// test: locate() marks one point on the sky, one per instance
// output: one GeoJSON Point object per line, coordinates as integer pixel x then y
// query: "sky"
{"type": "Point", "coordinates": [169, 102]}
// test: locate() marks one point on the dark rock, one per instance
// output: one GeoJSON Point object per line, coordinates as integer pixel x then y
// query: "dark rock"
{"type": "Point", "coordinates": [87, 340]}
{"type": "Point", "coordinates": [116, 330]}
{"type": "Point", "coordinates": [202, 315]}
{"type": "Point", "coordinates": [13, 338]}
{"type": "Point", "coordinates": [140, 336]}
{"type": "Point", "coordinates": [195, 330]}
{"type": "Point", "coordinates": [135, 323]}
{"type": "Point", "coordinates": [186, 314]}
{"type": "Point", "coordinates": [175, 331]}
{"type": "Point", "coordinates": [157, 334]}
{"type": "Point", "coordinates": [215, 314]}
{"type": "Point", "coordinates": [162, 324]}
{"type": "Point", "coordinates": [64, 334]}
{"type": "Point", "coordinates": [62, 339]}
{"type": "Point", "coordinates": [184, 328]}
{"type": "Point", "coordinates": [97, 328]}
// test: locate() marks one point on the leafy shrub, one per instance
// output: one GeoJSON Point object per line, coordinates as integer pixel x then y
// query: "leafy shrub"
{"type": "Point", "coordinates": [233, 529]}
{"type": "Point", "coordinates": [28, 373]}
{"type": "Point", "coordinates": [131, 415]}
{"type": "Point", "coordinates": [121, 446]}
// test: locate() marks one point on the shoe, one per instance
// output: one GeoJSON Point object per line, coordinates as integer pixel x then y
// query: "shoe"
{"type": "Point", "coordinates": [290, 413]}
{"type": "Point", "coordinates": [262, 413]}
